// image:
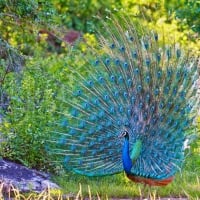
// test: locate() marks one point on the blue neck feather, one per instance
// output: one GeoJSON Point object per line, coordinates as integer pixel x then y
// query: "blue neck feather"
{"type": "Point", "coordinates": [127, 163]}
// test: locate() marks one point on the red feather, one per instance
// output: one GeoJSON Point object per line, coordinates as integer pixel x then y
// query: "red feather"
{"type": "Point", "coordinates": [149, 181]}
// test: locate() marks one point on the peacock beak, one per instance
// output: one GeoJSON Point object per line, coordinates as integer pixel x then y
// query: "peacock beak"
{"type": "Point", "coordinates": [122, 135]}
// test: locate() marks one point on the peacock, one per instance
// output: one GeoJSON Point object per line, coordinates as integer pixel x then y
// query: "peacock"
{"type": "Point", "coordinates": [132, 109]}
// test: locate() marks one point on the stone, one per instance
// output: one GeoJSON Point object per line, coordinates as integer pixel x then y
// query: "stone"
{"type": "Point", "coordinates": [13, 175]}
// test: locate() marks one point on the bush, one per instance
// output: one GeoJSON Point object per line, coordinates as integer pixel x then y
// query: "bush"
{"type": "Point", "coordinates": [35, 97]}
{"type": "Point", "coordinates": [26, 124]}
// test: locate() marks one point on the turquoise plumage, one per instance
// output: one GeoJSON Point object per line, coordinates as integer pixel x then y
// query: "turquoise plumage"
{"type": "Point", "coordinates": [135, 84]}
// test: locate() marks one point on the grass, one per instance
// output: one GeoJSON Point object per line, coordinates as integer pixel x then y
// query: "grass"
{"type": "Point", "coordinates": [185, 185]}
{"type": "Point", "coordinates": [118, 186]}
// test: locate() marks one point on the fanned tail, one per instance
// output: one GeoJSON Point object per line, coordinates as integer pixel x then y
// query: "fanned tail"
{"type": "Point", "coordinates": [133, 82]}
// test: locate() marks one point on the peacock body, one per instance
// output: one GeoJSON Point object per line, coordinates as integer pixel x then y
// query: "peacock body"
{"type": "Point", "coordinates": [136, 87]}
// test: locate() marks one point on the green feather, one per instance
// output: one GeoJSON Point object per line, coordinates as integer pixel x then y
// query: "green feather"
{"type": "Point", "coordinates": [136, 150]}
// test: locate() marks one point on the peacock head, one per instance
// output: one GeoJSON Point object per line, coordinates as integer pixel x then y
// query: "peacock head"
{"type": "Point", "coordinates": [124, 134]}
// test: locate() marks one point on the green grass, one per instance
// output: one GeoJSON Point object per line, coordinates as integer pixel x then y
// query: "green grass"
{"type": "Point", "coordinates": [185, 184]}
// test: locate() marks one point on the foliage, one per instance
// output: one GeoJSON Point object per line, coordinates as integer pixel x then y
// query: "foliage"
{"type": "Point", "coordinates": [26, 124]}
{"type": "Point", "coordinates": [187, 11]}
{"type": "Point", "coordinates": [81, 13]}
{"type": "Point", "coordinates": [11, 62]}
{"type": "Point", "coordinates": [31, 9]}
{"type": "Point", "coordinates": [35, 97]}
{"type": "Point", "coordinates": [21, 20]}
{"type": "Point", "coordinates": [195, 146]}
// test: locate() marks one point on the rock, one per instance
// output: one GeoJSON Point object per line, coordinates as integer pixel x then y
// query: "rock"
{"type": "Point", "coordinates": [48, 184]}
{"type": "Point", "coordinates": [17, 176]}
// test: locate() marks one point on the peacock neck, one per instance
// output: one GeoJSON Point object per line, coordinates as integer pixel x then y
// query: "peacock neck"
{"type": "Point", "coordinates": [127, 163]}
